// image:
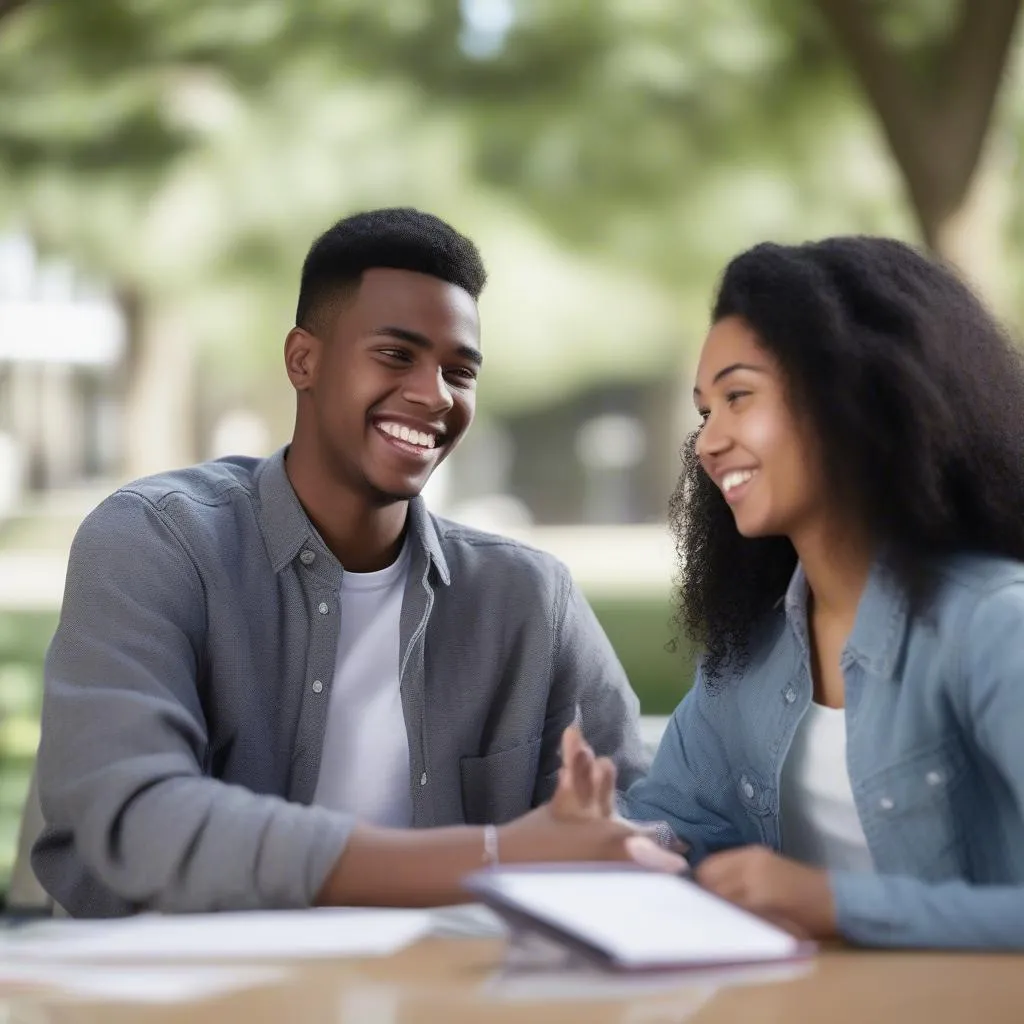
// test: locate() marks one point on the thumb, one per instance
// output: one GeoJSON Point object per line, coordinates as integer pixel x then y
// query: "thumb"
{"type": "Point", "coordinates": [648, 854]}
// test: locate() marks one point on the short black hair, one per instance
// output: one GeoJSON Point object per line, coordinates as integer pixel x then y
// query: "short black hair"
{"type": "Point", "coordinates": [916, 396]}
{"type": "Point", "coordinates": [400, 238]}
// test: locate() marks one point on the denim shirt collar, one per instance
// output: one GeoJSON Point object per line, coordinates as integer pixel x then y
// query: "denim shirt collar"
{"type": "Point", "coordinates": [879, 627]}
{"type": "Point", "coordinates": [287, 529]}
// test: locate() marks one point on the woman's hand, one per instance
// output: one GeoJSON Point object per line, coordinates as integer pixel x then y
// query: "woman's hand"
{"type": "Point", "coordinates": [792, 895]}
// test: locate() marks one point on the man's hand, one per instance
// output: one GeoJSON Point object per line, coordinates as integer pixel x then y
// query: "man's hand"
{"type": "Point", "coordinates": [580, 822]}
{"type": "Point", "coordinates": [790, 894]}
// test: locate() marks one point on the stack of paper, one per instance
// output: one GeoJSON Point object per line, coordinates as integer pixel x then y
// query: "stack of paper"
{"type": "Point", "coordinates": [280, 935]}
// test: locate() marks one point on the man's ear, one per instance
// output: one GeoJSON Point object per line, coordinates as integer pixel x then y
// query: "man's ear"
{"type": "Point", "coordinates": [302, 352]}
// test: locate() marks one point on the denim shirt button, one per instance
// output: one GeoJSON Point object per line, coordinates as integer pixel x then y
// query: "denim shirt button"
{"type": "Point", "coordinates": [933, 778]}
{"type": "Point", "coordinates": [748, 788]}
{"type": "Point", "coordinates": [790, 695]}
{"type": "Point", "coordinates": [307, 557]}
{"type": "Point", "coordinates": [886, 803]}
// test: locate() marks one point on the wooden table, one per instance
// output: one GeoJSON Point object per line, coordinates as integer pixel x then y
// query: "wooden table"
{"type": "Point", "coordinates": [454, 981]}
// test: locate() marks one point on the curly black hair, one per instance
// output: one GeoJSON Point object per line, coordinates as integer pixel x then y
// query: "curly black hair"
{"type": "Point", "coordinates": [400, 238]}
{"type": "Point", "coordinates": [916, 395]}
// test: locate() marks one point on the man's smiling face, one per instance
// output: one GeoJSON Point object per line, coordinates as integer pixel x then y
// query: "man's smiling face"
{"type": "Point", "coordinates": [393, 382]}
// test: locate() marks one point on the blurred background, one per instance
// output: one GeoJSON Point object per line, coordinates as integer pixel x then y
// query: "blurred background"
{"type": "Point", "coordinates": [165, 164]}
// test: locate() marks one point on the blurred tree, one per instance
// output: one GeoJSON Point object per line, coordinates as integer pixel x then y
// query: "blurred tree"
{"type": "Point", "coordinates": [593, 110]}
{"type": "Point", "coordinates": [185, 147]}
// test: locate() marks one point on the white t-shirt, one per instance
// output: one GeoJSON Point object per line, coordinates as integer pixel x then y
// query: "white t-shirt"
{"type": "Point", "coordinates": [819, 820]}
{"type": "Point", "coordinates": [364, 766]}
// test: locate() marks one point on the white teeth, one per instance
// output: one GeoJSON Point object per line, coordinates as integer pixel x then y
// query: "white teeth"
{"type": "Point", "coordinates": [403, 433]}
{"type": "Point", "coordinates": [735, 478]}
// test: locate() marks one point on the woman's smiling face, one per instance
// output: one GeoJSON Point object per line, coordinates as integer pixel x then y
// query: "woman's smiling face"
{"type": "Point", "coordinates": [751, 444]}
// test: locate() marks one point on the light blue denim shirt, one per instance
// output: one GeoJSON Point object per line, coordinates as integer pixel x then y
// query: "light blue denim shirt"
{"type": "Point", "coordinates": [935, 754]}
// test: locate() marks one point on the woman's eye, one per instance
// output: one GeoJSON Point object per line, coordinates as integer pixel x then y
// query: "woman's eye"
{"type": "Point", "coordinates": [734, 396]}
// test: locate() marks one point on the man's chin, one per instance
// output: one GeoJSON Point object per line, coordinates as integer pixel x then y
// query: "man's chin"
{"type": "Point", "coordinates": [389, 492]}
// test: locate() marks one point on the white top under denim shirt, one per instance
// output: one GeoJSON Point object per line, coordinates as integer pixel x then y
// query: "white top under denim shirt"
{"type": "Point", "coordinates": [935, 753]}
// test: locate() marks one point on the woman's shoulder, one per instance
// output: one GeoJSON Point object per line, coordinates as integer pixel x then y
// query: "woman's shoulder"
{"type": "Point", "coordinates": [966, 580]}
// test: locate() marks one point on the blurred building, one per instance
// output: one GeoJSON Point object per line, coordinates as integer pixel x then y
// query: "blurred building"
{"type": "Point", "coordinates": [61, 346]}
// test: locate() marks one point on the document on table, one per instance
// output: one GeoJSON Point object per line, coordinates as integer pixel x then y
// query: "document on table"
{"type": "Point", "coordinates": [633, 919]}
{"type": "Point", "coordinates": [259, 935]}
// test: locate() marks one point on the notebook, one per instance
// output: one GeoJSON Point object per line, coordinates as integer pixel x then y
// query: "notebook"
{"type": "Point", "coordinates": [628, 919]}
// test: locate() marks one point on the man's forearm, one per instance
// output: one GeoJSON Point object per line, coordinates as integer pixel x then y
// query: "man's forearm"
{"type": "Point", "coordinates": [405, 868]}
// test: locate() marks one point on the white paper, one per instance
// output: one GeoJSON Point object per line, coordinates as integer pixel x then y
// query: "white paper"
{"type": "Point", "coordinates": [644, 918]}
{"type": "Point", "coordinates": [277, 935]}
{"type": "Point", "coordinates": [133, 984]}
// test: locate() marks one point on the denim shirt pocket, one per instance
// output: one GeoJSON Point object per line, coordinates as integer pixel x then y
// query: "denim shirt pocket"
{"type": "Point", "coordinates": [912, 813]}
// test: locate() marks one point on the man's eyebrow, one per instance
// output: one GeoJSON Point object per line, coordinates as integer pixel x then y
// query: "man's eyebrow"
{"type": "Point", "coordinates": [732, 368]}
{"type": "Point", "coordinates": [474, 355]}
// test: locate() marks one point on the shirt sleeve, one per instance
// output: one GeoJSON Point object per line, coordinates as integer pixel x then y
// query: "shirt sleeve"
{"type": "Point", "coordinates": [989, 701]}
{"type": "Point", "coordinates": [689, 785]}
{"type": "Point", "coordinates": [590, 686]}
{"type": "Point", "coordinates": [124, 740]}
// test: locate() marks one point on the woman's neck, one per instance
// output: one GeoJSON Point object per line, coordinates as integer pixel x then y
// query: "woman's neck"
{"type": "Point", "coordinates": [836, 562]}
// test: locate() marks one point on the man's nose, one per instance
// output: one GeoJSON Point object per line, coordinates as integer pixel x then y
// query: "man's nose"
{"type": "Point", "coordinates": [428, 388]}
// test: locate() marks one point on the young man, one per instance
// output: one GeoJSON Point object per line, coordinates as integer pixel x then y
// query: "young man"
{"type": "Point", "coordinates": [267, 673]}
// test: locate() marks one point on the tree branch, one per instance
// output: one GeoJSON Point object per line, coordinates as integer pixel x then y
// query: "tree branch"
{"type": "Point", "coordinates": [976, 62]}
{"type": "Point", "coordinates": [10, 6]}
{"type": "Point", "coordinates": [895, 96]}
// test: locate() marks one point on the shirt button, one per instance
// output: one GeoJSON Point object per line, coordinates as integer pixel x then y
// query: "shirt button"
{"type": "Point", "coordinates": [933, 778]}
{"type": "Point", "coordinates": [307, 557]}
{"type": "Point", "coordinates": [317, 686]}
{"type": "Point", "coordinates": [886, 803]}
{"type": "Point", "coordinates": [323, 608]}
{"type": "Point", "coordinates": [790, 695]}
{"type": "Point", "coordinates": [423, 779]}
{"type": "Point", "coordinates": [748, 789]}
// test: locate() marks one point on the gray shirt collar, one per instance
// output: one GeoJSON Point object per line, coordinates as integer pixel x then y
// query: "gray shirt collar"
{"type": "Point", "coordinates": [287, 529]}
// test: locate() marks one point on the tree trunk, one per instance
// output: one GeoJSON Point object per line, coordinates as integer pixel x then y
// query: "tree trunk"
{"type": "Point", "coordinates": [158, 389]}
{"type": "Point", "coordinates": [939, 137]}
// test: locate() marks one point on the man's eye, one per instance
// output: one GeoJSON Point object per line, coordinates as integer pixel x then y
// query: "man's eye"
{"type": "Point", "coordinates": [395, 353]}
{"type": "Point", "coordinates": [734, 396]}
{"type": "Point", "coordinates": [465, 374]}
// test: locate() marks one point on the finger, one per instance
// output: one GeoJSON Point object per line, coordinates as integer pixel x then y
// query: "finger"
{"type": "Point", "coordinates": [583, 783]}
{"type": "Point", "coordinates": [787, 925]}
{"type": "Point", "coordinates": [649, 854]}
{"type": "Point", "coordinates": [605, 770]}
{"type": "Point", "coordinates": [571, 740]}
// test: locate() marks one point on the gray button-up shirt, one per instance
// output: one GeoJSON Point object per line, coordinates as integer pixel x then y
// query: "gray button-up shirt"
{"type": "Point", "coordinates": [187, 689]}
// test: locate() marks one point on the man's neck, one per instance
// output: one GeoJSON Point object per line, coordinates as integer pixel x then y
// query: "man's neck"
{"type": "Point", "coordinates": [363, 536]}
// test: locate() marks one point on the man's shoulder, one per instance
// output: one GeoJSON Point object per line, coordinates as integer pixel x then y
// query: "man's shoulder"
{"type": "Point", "coordinates": [193, 497]}
{"type": "Point", "coordinates": [206, 483]}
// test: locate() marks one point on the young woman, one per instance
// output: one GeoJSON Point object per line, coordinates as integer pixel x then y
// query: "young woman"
{"type": "Point", "coordinates": [850, 528]}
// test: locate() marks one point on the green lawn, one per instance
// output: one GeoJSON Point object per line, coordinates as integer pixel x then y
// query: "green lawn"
{"type": "Point", "coordinates": [639, 629]}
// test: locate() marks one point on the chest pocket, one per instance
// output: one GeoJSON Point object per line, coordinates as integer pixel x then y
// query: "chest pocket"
{"type": "Point", "coordinates": [499, 787]}
{"type": "Point", "coordinates": [913, 808]}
